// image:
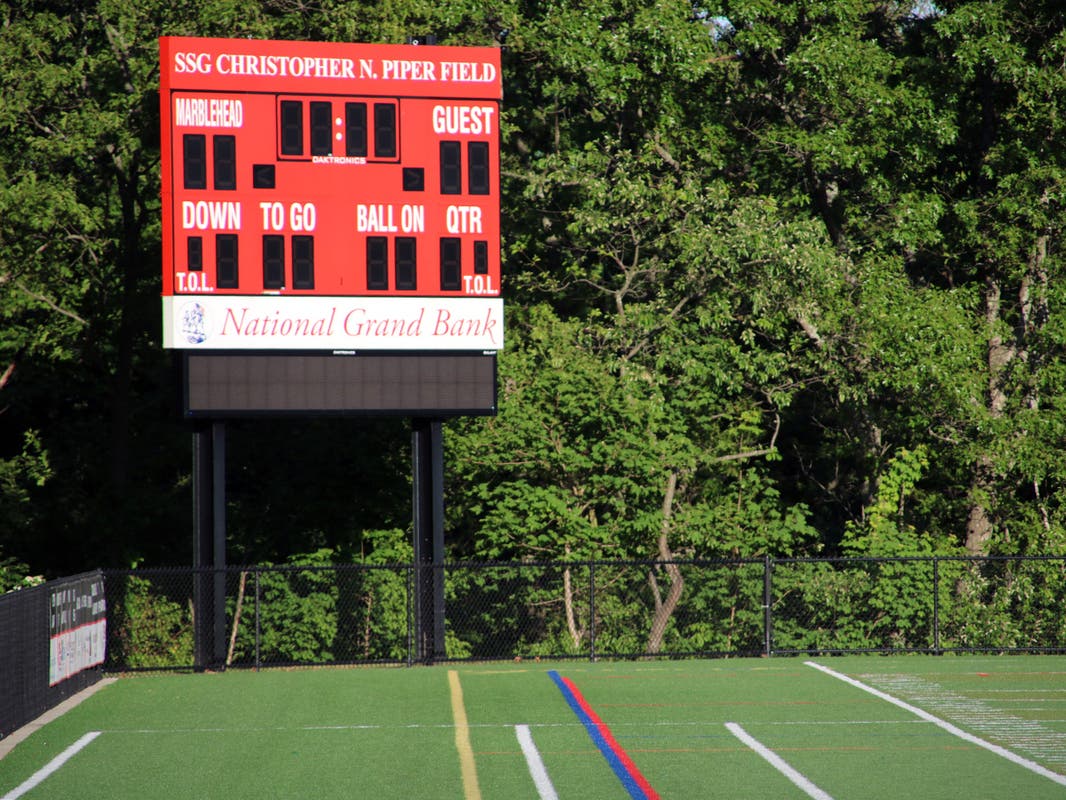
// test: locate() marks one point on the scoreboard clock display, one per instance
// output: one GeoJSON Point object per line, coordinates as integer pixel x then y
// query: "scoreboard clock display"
{"type": "Point", "coordinates": [325, 196]}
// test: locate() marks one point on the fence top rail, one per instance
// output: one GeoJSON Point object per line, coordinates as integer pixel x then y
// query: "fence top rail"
{"type": "Point", "coordinates": [253, 568]}
{"type": "Point", "coordinates": [23, 591]}
{"type": "Point", "coordinates": [566, 563]}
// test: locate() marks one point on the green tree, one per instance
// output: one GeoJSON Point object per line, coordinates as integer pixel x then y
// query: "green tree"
{"type": "Point", "coordinates": [94, 464]}
{"type": "Point", "coordinates": [923, 144]}
{"type": "Point", "coordinates": [755, 253]}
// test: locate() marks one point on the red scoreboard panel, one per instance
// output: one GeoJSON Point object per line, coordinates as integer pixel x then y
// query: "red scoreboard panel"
{"type": "Point", "coordinates": [324, 196]}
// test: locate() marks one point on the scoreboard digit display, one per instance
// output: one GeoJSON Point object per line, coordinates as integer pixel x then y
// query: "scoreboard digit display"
{"type": "Point", "coordinates": [330, 196]}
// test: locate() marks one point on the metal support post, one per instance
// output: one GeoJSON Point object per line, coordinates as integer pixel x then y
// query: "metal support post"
{"type": "Point", "coordinates": [209, 545]}
{"type": "Point", "coordinates": [428, 502]}
{"type": "Point", "coordinates": [767, 604]}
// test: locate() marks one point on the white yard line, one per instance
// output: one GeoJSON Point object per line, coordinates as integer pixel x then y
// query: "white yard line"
{"type": "Point", "coordinates": [778, 763]}
{"type": "Point", "coordinates": [35, 780]}
{"type": "Point", "coordinates": [1032, 766]}
{"type": "Point", "coordinates": [7, 744]}
{"type": "Point", "coordinates": [537, 771]}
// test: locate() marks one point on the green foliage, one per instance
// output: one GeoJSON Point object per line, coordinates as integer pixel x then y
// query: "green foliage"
{"type": "Point", "coordinates": [1000, 605]}
{"type": "Point", "coordinates": [152, 631]}
{"type": "Point", "coordinates": [883, 532]}
{"type": "Point", "coordinates": [782, 279]}
{"type": "Point", "coordinates": [19, 476]}
{"type": "Point", "coordinates": [317, 609]}
{"type": "Point", "coordinates": [14, 575]}
{"type": "Point", "coordinates": [297, 612]}
{"type": "Point", "coordinates": [374, 604]}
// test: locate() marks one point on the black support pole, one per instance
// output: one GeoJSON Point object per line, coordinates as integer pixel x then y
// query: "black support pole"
{"type": "Point", "coordinates": [218, 497]}
{"type": "Point", "coordinates": [209, 544]}
{"type": "Point", "coordinates": [427, 446]}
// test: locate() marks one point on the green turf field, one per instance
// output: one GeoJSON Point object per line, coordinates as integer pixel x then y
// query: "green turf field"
{"type": "Point", "coordinates": [870, 727]}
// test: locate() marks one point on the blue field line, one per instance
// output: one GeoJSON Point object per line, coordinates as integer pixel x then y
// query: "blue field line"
{"type": "Point", "coordinates": [620, 762]}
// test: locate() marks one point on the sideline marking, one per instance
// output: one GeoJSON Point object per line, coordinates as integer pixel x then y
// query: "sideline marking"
{"type": "Point", "coordinates": [471, 791]}
{"type": "Point", "coordinates": [1032, 766]}
{"type": "Point", "coordinates": [537, 770]}
{"type": "Point", "coordinates": [622, 765]}
{"type": "Point", "coordinates": [35, 780]}
{"type": "Point", "coordinates": [995, 718]}
{"type": "Point", "coordinates": [7, 743]}
{"type": "Point", "coordinates": [778, 763]}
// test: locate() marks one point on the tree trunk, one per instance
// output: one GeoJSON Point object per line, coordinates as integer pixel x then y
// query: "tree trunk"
{"type": "Point", "coordinates": [664, 609]}
{"type": "Point", "coordinates": [1032, 315]}
{"type": "Point", "coordinates": [236, 618]}
{"type": "Point", "coordinates": [568, 605]}
{"type": "Point", "coordinates": [982, 486]}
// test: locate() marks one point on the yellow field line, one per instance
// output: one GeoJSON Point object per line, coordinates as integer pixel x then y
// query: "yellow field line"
{"type": "Point", "coordinates": [462, 739]}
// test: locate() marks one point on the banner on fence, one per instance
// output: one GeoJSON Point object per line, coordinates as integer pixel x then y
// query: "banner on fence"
{"type": "Point", "coordinates": [77, 627]}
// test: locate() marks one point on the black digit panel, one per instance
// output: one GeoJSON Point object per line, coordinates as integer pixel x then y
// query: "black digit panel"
{"type": "Point", "coordinates": [406, 263]}
{"type": "Point", "coordinates": [226, 260]}
{"type": "Point", "coordinates": [303, 262]}
{"type": "Point", "coordinates": [477, 159]}
{"type": "Point", "coordinates": [273, 262]}
{"type": "Point", "coordinates": [292, 128]}
{"type": "Point", "coordinates": [194, 160]}
{"type": "Point", "coordinates": [225, 153]}
{"type": "Point", "coordinates": [355, 129]}
{"type": "Point", "coordinates": [451, 264]}
{"type": "Point", "coordinates": [194, 252]}
{"type": "Point", "coordinates": [451, 168]}
{"type": "Point", "coordinates": [321, 129]}
{"type": "Point", "coordinates": [384, 130]}
{"type": "Point", "coordinates": [377, 263]}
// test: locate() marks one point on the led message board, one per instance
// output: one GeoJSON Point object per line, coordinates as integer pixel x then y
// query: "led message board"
{"type": "Point", "coordinates": [325, 196]}
{"type": "Point", "coordinates": [240, 384]}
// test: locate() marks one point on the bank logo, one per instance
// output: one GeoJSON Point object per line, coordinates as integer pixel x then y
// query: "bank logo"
{"type": "Point", "coordinates": [194, 323]}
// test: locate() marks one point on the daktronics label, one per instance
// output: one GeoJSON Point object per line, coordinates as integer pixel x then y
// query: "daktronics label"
{"type": "Point", "coordinates": [298, 170]}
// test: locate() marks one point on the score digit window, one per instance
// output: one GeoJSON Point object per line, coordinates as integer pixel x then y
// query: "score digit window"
{"type": "Point", "coordinates": [225, 155]}
{"type": "Point", "coordinates": [303, 262]}
{"type": "Point", "coordinates": [406, 264]}
{"type": "Point", "coordinates": [226, 273]}
{"type": "Point", "coordinates": [384, 130]}
{"type": "Point", "coordinates": [355, 129]}
{"type": "Point", "coordinates": [194, 254]}
{"type": "Point", "coordinates": [377, 263]}
{"type": "Point", "coordinates": [194, 155]}
{"type": "Point", "coordinates": [292, 128]}
{"type": "Point", "coordinates": [477, 159]}
{"type": "Point", "coordinates": [273, 262]}
{"type": "Point", "coordinates": [451, 168]}
{"type": "Point", "coordinates": [321, 129]}
{"type": "Point", "coordinates": [451, 263]}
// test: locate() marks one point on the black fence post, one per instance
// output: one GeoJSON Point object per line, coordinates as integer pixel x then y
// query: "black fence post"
{"type": "Point", "coordinates": [936, 605]}
{"type": "Point", "coordinates": [592, 611]}
{"type": "Point", "coordinates": [410, 594]}
{"type": "Point", "coordinates": [767, 604]}
{"type": "Point", "coordinates": [258, 627]}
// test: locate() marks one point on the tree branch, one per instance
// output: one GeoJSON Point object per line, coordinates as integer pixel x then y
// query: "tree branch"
{"type": "Point", "coordinates": [48, 302]}
{"type": "Point", "coordinates": [753, 453]}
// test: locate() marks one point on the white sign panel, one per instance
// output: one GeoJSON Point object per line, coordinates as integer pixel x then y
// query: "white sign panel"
{"type": "Point", "coordinates": [269, 322]}
{"type": "Point", "coordinates": [77, 625]}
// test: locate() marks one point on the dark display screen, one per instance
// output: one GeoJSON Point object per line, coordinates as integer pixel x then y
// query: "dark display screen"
{"type": "Point", "coordinates": [372, 384]}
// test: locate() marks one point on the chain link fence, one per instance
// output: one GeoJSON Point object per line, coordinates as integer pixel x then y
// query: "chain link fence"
{"type": "Point", "coordinates": [348, 614]}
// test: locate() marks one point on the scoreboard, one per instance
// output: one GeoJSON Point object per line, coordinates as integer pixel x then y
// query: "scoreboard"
{"type": "Point", "coordinates": [330, 196]}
